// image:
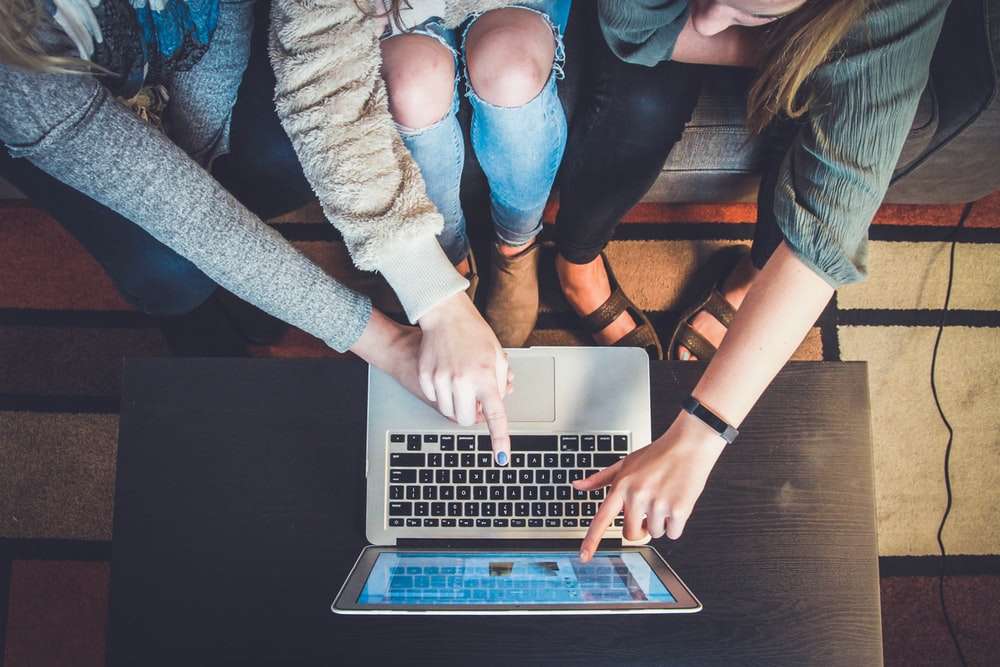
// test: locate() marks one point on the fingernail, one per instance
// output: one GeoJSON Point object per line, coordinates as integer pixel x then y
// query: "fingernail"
{"type": "Point", "coordinates": [502, 458]}
{"type": "Point", "coordinates": [684, 355]}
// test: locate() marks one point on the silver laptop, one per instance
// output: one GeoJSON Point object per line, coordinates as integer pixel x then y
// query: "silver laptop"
{"type": "Point", "coordinates": [437, 501]}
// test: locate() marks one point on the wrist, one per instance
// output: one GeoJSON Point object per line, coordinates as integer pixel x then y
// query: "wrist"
{"type": "Point", "coordinates": [691, 429]}
{"type": "Point", "coordinates": [378, 341]}
{"type": "Point", "coordinates": [443, 311]}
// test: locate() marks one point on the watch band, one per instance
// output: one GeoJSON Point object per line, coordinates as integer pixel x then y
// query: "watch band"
{"type": "Point", "coordinates": [727, 432]}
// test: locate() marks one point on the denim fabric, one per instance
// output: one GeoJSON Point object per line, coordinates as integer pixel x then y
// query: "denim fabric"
{"type": "Point", "coordinates": [519, 148]}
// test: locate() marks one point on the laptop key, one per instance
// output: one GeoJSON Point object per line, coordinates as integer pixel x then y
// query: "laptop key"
{"type": "Point", "coordinates": [547, 492]}
{"type": "Point", "coordinates": [430, 523]}
{"type": "Point", "coordinates": [518, 523]}
{"type": "Point", "coordinates": [555, 509]}
{"type": "Point", "coordinates": [454, 509]}
{"type": "Point", "coordinates": [575, 475]}
{"type": "Point", "coordinates": [413, 493]}
{"type": "Point", "coordinates": [395, 492]}
{"type": "Point", "coordinates": [537, 509]}
{"type": "Point", "coordinates": [597, 494]}
{"type": "Point", "coordinates": [496, 493]}
{"type": "Point", "coordinates": [488, 509]}
{"type": "Point", "coordinates": [505, 509]}
{"type": "Point", "coordinates": [447, 443]}
{"type": "Point", "coordinates": [471, 509]}
{"type": "Point", "coordinates": [569, 523]}
{"type": "Point", "coordinates": [403, 476]}
{"type": "Point", "coordinates": [413, 443]}
{"type": "Point", "coordinates": [559, 476]}
{"type": "Point", "coordinates": [463, 492]}
{"type": "Point", "coordinates": [421, 509]}
{"type": "Point", "coordinates": [562, 493]}
{"type": "Point", "coordinates": [500, 523]}
{"type": "Point", "coordinates": [451, 460]}
{"type": "Point", "coordinates": [426, 476]}
{"type": "Point", "coordinates": [531, 493]}
{"type": "Point", "coordinates": [569, 443]}
{"type": "Point", "coordinates": [430, 493]}
{"type": "Point", "coordinates": [459, 477]}
{"type": "Point", "coordinates": [434, 460]}
{"type": "Point", "coordinates": [534, 443]}
{"type": "Point", "coordinates": [446, 492]}
{"type": "Point", "coordinates": [484, 460]}
{"type": "Point", "coordinates": [513, 493]}
{"type": "Point", "coordinates": [588, 443]}
{"type": "Point", "coordinates": [604, 443]}
{"type": "Point", "coordinates": [395, 523]}
{"type": "Point", "coordinates": [605, 460]}
{"type": "Point", "coordinates": [621, 443]}
{"type": "Point", "coordinates": [552, 523]}
{"type": "Point", "coordinates": [476, 477]}
{"type": "Point", "coordinates": [466, 523]}
{"type": "Point", "coordinates": [543, 476]}
{"type": "Point", "coordinates": [492, 476]}
{"type": "Point", "coordinates": [584, 461]}
{"type": "Point", "coordinates": [468, 460]}
{"type": "Point", "coordinates": [589, 509]}
{"type": "Point", "coordinates": [448, 523]}
{"type": "Point", "coordinates": [397, 437]}
{"type": "Point", "coordinates": [619, 521]}
{"type": "Point", "coordinates": [525, 476]}
{"type": "Point", "coordinates": [579, 495]}
{"type": "Point", "coordinates": [407, 460]}
{"type": "Point", "coordinates": [584, 523]}
{"type": "Point", "coordinates": [430, 437]}
{"type": "Point", "coordinates": [567, 460]}
{"type": "Point", "coordinates": [572, 509]}
{"type": "Point", "coordinates": [550, 460]}
{"type": "Point", "coordinates": [521, 509]}
{"type": "Point", "coordinates": [479, 493]}
{"type": "Point", "coordinates": [534, 460]}
{"type": "Point", "coordinates": [535, 523]}
{"type": "Point", "coordinates": [517, 460]}
{"type": "Point", "coordinates": [510, 476]}
{"type": "Point", "coordinates": [438, 509]}
{"type": "Point", "coordinates": [483, 523]}
{"type": "Point", "coordinates": [466, 443]}
{"type": "Point", "coordinates": [413, 523]}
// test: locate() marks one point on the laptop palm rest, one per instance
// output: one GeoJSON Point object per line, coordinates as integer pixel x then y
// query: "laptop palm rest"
{"type": "Point", "coordinates": [534, 397]}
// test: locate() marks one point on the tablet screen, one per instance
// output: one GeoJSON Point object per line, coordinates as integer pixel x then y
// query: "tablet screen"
{"type": "Point", "coordinates": [515, 578]}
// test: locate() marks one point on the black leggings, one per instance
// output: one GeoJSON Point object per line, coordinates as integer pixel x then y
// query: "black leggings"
{"type": "Point", "coordinates": [627, 118]}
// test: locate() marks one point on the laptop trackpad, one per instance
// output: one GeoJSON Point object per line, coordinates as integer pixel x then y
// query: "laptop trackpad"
{"type": "Point", "coordinates": [534, 397]}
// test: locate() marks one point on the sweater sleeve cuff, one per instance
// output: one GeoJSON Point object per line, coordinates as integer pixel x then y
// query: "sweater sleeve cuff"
{"type": "Point", "coordinates": [420, 274]}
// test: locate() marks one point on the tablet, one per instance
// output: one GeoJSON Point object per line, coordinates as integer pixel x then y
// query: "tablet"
{"type": "Point", "coordinates": [394, 580]}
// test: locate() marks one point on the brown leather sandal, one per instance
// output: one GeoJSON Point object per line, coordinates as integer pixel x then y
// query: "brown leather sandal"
{"type": "Point", "coordinates": [715, 305]}
{"type": "Point", "coordinates": [644, 335]}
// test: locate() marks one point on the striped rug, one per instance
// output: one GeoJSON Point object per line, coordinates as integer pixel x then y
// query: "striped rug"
{"type": "Point", "coordinates": [64, 330]}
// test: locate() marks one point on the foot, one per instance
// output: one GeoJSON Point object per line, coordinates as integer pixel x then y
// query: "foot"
{"type": "Point", "coordinates": [734, 290]}
{"type": "Point", "coordinates": [512, 301]}
{"type": "Point", "coordinates": [586, 287]}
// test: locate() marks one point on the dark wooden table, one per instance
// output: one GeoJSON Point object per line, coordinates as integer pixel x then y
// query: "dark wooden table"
{"type": "Point", "coordinates": [239, 512]}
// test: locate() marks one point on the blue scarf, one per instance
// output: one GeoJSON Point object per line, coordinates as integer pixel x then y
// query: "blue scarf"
{"type": "Point", "coordinates": [139, 41]}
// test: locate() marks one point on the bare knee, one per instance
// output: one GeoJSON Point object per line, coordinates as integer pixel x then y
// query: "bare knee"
{"type": "Point", "coordinates": [419, 73]}
{"type": "Point", "coordinates": [509, 54]}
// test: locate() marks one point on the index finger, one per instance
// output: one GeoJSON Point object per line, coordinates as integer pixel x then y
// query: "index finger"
{"type": "Point", "coordinates": [496, 421]}
{"type": "Point", "coordinates": [605, 515]}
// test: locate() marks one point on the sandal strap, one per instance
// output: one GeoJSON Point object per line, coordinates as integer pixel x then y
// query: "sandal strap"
{"type": "Point", "coordinates": [607, 312]}
{"type": "Point", "coordinates": [719, 308]}
{"type": "Point", "coordinates": [642, 336]}
{"type": "Point", "coordinates": [698, 345]}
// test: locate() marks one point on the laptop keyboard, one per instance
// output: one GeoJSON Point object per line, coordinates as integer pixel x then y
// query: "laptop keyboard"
{"type": "Point", "coordinates": [441, 480]}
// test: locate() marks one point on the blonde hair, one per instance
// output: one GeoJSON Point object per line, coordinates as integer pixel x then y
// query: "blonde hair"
{"type": "Point", "coordinates": [794, 47]}
{"type": "Point", "coordinates": [19, 47]}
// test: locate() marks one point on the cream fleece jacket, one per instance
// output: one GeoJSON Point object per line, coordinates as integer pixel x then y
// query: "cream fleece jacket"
{"type": "Point", "coordinates": [333, 104]}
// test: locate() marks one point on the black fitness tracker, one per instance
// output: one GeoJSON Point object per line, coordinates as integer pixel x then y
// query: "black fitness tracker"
{"type": "Point", "coordinates": [727, 432]}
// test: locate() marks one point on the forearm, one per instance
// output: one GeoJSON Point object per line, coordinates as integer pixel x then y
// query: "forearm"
{"type": "Point", "coordinates": [783, 303]}
{"type": "Point", "coordinates": [115, 159]}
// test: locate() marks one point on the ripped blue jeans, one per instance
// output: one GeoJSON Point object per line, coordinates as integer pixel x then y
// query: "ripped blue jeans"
{"type": "Point", "coordinates": [519, 148]}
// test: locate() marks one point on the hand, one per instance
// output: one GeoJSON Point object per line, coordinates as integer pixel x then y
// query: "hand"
{"type": "Point", "coordinates": [657, 485]}
{"type": "Point", "coordinates": [464, 370]}
{"type": "Point", "coordinates": [393, 348]}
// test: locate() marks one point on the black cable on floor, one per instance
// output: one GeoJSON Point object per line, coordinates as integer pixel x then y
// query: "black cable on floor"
{"type": "Point", "coordinates": [951, 434]}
